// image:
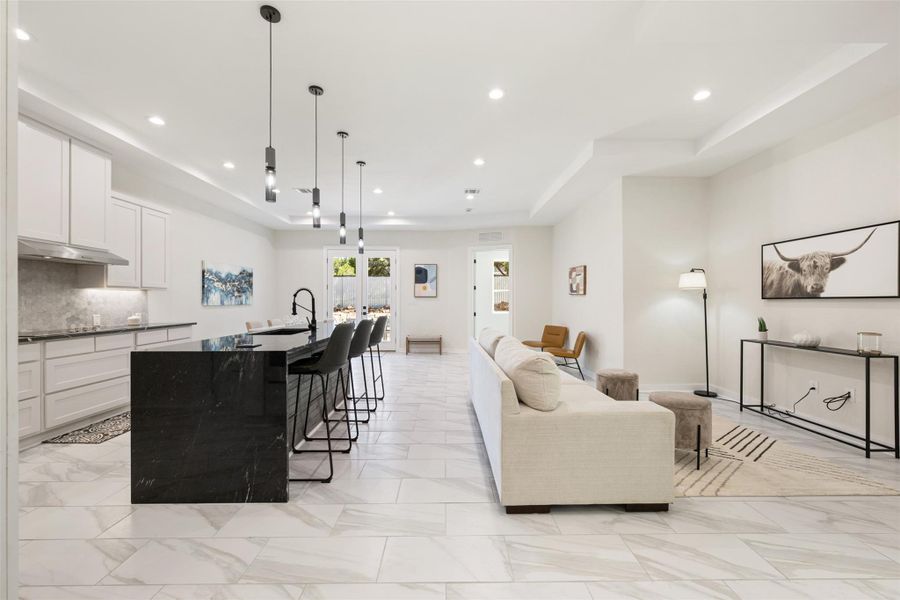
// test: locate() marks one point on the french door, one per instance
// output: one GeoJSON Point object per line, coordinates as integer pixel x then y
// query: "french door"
{"type": "Point", "coordinates": [363, 286]}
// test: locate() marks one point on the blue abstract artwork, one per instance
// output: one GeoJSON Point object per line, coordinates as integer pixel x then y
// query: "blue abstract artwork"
{"type": "Point", "coordinates": [227, 285]}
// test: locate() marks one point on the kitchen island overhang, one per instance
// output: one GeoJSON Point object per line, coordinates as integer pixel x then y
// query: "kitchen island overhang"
{"type": "Point", "coordinates": [211, 419]}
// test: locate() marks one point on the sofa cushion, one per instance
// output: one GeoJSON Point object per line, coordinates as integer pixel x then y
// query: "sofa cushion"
{"type": "Point", "coordinates": [489, 338]}
{"type": "Point", "coordinates": [534, 374]}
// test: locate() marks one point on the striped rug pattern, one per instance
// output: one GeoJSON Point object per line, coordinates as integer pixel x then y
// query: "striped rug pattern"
{"type": "Point", "coordinates": [745, 462]}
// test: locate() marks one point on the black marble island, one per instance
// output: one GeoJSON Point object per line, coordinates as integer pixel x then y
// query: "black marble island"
{"type": "Point", "coordinates": [211, 418]}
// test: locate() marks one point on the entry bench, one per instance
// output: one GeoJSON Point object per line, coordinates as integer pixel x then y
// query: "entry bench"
{"type": "Point", "coordinates": [425, 339]}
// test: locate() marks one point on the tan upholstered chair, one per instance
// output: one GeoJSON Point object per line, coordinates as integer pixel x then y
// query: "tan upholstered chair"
{"type": "Point", "coordinates": [251, 325]}
{"type": "Point", "coordinates": [554, 336]}
{"type": "Point", "coordinates": [573, 354]}
{"type": "Point", "coordinates": [276, 323]}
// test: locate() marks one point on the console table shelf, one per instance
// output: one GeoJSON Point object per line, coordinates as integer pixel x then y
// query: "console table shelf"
{"type": "Point", "coordinates": [868, 445]}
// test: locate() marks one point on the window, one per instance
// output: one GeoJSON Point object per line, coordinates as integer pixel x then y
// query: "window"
{"type": "Point", "coordinates": [501, 286]}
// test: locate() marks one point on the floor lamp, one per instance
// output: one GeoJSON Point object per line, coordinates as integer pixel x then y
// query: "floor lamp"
{"type": "Point", "coordinates": [695, 279]}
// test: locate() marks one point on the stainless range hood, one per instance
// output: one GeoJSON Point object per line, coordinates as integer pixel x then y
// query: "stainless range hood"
{"type": "Point", "coordinates": [35, 250]}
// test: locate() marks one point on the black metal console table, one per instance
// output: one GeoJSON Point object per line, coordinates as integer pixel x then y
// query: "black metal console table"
{"type": "Point", "coordinates": [868, 445]}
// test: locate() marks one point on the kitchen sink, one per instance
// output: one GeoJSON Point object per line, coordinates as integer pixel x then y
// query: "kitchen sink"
{"type": "Point", "coordinates": [284, 331]}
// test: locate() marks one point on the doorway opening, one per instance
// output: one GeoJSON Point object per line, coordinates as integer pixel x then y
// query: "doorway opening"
{"type": "Point", "coordinates": [492, 290]}
{"type": "Point", "coordinates": [363, 286]}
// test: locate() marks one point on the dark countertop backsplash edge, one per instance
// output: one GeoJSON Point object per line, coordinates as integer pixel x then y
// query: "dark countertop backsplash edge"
{"type": "Point", "coordinates": [42, 336]}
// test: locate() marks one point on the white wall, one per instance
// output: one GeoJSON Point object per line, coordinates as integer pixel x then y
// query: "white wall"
{"type": "Point", "coordinates": [839, 176]}
{"type": "Point", "coordinates": [199, 232]}
{"type": "Point", "coordinates": [300, 263]}
{"type": "Point", "coordinates": [592, 235]}
{"type": "Point", "coordinates": [484, 292]}
{"type": "Point", "coordinates": [666, 234]}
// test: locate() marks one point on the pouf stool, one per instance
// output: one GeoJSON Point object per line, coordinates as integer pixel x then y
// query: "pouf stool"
{"type": "Point", "coordinates": [618, 383]}
{"type": "Point", "coordinates": [693, 419]}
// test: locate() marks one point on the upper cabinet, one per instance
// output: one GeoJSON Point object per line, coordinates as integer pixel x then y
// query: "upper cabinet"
{"type": "Point", "coordinates": [154, 248]}
{"type": "Point", "coordinates": [139, 233]}
{"type": "Point", "coordinates": [64, 188]}
{"type": "Point", "coordinates": [89, 190]}
{"type": "Point", "coordinates": [125, 241]}
{"type": "Point", "coordinates": [43, 183]}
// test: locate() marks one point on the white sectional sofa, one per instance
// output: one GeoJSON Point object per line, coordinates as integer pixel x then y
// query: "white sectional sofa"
{"type": "Point", "coordinates": [590, 449]}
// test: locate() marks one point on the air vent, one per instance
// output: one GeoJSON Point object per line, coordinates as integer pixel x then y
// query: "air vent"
{"type": "Point", "coordinates": [490, 236]}
{"type": "Point", "coordinates": [303, 190]}
{"type": "Point", "coordinates": [472, 191]}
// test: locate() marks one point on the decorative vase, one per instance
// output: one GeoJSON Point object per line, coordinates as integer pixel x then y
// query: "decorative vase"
{"type": "Point", "coordinates": [763, 335]}
{"type": "Point", "coordinates": [806, 339]}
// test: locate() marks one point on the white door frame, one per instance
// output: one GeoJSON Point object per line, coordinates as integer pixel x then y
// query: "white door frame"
{"type": "Point", "coordinates": [470, 279]}
{"type": "Point", "coordinates": [361, 290]}
{"type": "Point", "coordinates": [9, 404]}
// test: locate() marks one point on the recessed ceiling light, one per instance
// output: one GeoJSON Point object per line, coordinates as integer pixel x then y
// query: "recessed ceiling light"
{"type": "Point", "coordinates": [701, 95]}
{"type": "Point", "coordinates": [478, 162]}
{"type": "Point", "coordinates": [470, 196]}
{"type": "Point", "coordinates": [21, 34]}
{"type": "Point", "coordinates": [156, 120]}
{"type": "Point", "coordinates": [495, 94]}
{"type": "Point", "coordinates": [377, 191]}
{"type": "Point", "coordinates": [228, 164]}
{"type": "Point", "coordinates": [391, 213]}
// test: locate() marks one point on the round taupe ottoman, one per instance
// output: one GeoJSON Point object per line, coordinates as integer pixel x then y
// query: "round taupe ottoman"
{"type": "Point", "coordinates": [693, 419]}
{"type": "Point", "coordinates": [618, 383]}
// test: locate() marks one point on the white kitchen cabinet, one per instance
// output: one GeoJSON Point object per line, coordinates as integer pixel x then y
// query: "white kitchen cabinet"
{"type": "Point", "coordinates": [71, 405]}
{"type": "Point", "coordinates": [154, 248]}
{"type": "Point", "coordinates": [30, 421]}
{"type": "Point", "coordinates": [29, 380]}
{"type": "Point", "coordinates": [124, 240]}
{"type": "Point", "coordinates": [89, 195]}
{"type": "Point", "coordinates": [83, 369]}
{"type": "Point", "coordinates": [43, 179]}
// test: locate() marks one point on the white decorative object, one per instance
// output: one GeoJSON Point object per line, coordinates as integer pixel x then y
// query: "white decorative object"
{"type": "Point", "coordinates": [134, 319]}
{"type": "Point", "coordinates": [806, 339]}
{"type": "Point", "coordinates": [763, 335]}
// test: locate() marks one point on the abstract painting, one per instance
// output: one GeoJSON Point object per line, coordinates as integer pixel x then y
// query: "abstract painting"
{"type": "Point", "coordinates": [863, 262]}
{"type": "Point", "coordinates": [226, 285]}
{"type": "Point", "coordinates": [425, 281]}
{"type": "Point", "coordinates": [578, 280]}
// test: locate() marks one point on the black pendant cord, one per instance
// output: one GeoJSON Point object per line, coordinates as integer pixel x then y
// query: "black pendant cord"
{"type": "Point", "coordinates": [343, 138]}
{"type": "Point", "coordinates": [360, 193]}
{"type": "Point", "coordinates": [270, 83]}
{"type": "Point", "coordinates": [316, 143]}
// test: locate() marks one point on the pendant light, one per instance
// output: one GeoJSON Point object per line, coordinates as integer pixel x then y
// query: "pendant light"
{"type": "Point", "coordinates": [362, 244]}
{"type": "Point", "coordinates": [316, 91]}
{"type": "Point", "coordinates": [271, 15]}
{"type": "Point", "coordinates": [343, 230]}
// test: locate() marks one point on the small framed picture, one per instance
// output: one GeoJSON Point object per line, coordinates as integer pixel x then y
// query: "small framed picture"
{"type": "Point", "coordinates": [425, 285]}
{"type": "Point", "coordinates": [578, 280]}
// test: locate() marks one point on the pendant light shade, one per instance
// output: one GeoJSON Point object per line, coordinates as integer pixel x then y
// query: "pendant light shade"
{"type": "Point", "coordinates": [271, 15]}
{"type": "Point", "coordinates": [316, 91]}
{"type": "Point", "coordinates": [343, 230]}
{"type": "Point", "coordinates": [361, 244]}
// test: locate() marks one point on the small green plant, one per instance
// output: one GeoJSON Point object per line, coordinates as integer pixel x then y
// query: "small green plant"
{"type": "Point", "coordinates": [762, 325]}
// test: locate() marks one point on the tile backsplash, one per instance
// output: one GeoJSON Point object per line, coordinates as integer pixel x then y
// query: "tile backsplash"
{"type": "Point", "coordinates": [49, 298]}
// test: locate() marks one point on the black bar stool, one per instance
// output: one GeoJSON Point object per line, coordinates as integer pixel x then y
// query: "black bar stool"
{"type": "Point", "coordinates": [332, 360]}
{"type": "Point", "coordinates": [375, 340]}
{"type": "Point", "coordinates": [358, 350]}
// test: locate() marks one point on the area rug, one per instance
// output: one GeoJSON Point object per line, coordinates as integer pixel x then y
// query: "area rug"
{"type": "Point", "coordinates": [744, 462]}
{"type": "Point", "coordinates": [96, 433]}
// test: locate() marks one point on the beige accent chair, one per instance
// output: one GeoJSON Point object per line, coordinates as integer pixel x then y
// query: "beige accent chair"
{"type": "Point", "coordinates": [573, 354]}
{"type": "Point", "coordinates": [251, 325]}
{"type": "Point", "coordinates": [553, 336]}
{"type": "Point", "coordinates": [276, 323]}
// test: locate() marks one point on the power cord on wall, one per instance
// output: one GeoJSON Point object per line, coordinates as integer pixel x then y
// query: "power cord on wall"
{"type": "Point", "coordinates": [832, 403]}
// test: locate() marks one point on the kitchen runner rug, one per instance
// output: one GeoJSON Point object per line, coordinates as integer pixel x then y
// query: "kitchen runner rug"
{"type": "Point", "coordinates": [745, 462]}
{"type": "Point", "coordinates": [96, 433]}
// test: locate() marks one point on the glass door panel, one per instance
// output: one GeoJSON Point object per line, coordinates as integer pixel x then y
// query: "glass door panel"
{"type": "Point", "coordinates": [343, 288]}
{"type": "Point", "coordinates": [379, 292]}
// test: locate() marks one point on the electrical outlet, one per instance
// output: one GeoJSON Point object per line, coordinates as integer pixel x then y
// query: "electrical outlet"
{"type": "Point", "coordinates": [852, 397]}
{"type": "Point", "coordinates": [813, 384]}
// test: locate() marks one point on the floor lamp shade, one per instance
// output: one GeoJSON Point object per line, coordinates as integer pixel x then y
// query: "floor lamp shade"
{"type": "Point", "coordinates": [695, 279]}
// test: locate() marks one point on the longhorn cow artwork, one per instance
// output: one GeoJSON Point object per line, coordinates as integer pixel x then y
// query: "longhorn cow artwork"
{"type": "Point", "coordinates": [855, 263]}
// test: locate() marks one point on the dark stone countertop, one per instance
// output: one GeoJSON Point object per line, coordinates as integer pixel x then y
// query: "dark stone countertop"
{"type": "Point", "coordinates": [301, 342]}
{"type": "Point", "coordinates": [26, 337]}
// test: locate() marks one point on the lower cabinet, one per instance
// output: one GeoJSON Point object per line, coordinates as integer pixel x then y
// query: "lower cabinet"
{"type": "Point", "coordinates": [83, 369]}
{"type": "Point", "coordinates": [29, 417]}
{"type": "Point", "coordinates": [71, 405]}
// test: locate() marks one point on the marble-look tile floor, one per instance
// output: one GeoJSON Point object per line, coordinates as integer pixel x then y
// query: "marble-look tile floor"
{"type": "Point", "coordinates": [412, 515]}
